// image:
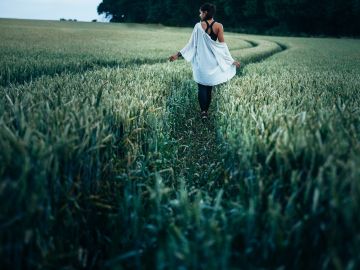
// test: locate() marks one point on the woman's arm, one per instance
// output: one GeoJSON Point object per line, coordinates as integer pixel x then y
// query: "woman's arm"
{"type": "Point", "coordinates": [175, 56]}
{"type": "Point", "coordinates": [237, 64]}
{"type": "Point", "coordinates": [189, 50]}
{"type": "Point", "coordinates": [221, 33]}
{"type": "Point", "coordinates": [221, 39]}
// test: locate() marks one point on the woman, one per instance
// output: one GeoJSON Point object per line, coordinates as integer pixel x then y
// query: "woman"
{"type": "Point", "coordinates": [211, 61]}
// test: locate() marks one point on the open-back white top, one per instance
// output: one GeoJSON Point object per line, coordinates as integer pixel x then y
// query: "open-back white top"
{"type": "Point", "coordinates": [211, 61]}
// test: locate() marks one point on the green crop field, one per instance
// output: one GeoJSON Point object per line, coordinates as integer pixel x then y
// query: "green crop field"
{"type": "Point", "coordinates": [105, 162]}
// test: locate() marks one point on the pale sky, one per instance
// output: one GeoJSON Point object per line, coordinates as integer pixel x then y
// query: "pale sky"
{"type": "Point", "coordinates": [82, 10]}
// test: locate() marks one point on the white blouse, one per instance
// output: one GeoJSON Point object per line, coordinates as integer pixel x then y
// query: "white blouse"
{"type": "Point", "coordinates": [211, 61]}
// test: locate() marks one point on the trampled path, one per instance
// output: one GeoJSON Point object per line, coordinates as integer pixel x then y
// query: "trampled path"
{"type": "Point", "coordinates": [198, 148]}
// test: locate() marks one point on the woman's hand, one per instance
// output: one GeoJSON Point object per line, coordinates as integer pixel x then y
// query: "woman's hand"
{"type": "Point", "coordinates": [173, 57]}
{"type": "Point", "coordinates": [237, 64]}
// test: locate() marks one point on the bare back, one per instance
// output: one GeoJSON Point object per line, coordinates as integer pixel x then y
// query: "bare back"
{"type": "Point", "coordinates": [217, 28]}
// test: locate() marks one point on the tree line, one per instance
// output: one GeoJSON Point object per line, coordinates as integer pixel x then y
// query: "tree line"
{"type": "Point", "coordinates": [308, 17]}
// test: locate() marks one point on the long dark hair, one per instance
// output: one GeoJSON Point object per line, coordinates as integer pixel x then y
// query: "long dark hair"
{"type": "Point", "coordinates": [210, 8]}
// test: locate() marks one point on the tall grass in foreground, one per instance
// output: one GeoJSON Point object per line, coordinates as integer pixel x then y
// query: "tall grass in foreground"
{"type": "Point", "coordinates": [291, 126]}
{"type": "Point", "coordinates": [95, 172]}
{"type": "Point", "coordinates": [65, 140]}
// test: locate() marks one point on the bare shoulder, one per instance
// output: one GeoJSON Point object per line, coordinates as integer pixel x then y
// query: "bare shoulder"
{"type": "Point", "coordinates": [218, 28]}
{"type": "Point", "coordinates": [218, 25]}
{"type": "Point", "coordinates": [203, 24]}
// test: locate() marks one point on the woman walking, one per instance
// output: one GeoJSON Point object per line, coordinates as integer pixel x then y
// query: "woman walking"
{"type": "Point", "coordinates": [211, 61]}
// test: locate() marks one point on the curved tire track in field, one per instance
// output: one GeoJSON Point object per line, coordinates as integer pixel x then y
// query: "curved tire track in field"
{"type": "Point", "coordinates": [198, 146]}
{"type": "Point", "coordinates": [21, 76]}
{"type": "Point", "coordinates": [261, 49]}
{"type": "Point", "coordinates": [7, 80]}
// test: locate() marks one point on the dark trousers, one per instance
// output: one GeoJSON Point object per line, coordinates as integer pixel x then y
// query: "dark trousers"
{"type": "Point", "coordinates": [204, 96]}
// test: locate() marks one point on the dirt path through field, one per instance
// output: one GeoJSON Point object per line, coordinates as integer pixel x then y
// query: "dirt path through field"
{"type": "Point", "coordinates": [199, 152]}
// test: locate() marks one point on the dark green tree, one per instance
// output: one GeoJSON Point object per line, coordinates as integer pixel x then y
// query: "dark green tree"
{"type": "Point", "coordinates": [332, 17]}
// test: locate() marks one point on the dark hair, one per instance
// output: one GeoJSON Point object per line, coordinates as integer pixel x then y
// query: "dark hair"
{"type": "Point", "coordinates": [210, 8]}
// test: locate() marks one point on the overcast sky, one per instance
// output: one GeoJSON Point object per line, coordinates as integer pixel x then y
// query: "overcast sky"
{"type": "Point", "coordinates": [82, 10]}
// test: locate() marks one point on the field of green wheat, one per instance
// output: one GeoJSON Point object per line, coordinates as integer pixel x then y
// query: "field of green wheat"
{"type": "Point", "coordinates": [106, 164]}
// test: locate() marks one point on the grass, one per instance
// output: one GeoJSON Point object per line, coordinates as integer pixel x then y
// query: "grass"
{"type": "Point", "coordinates": [105, 162]}
{"type": "Point", "coordinates": [292, 134]}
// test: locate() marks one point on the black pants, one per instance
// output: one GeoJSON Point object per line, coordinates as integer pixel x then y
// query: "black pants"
{"type": "Point", "coordinates": [204, 96]}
